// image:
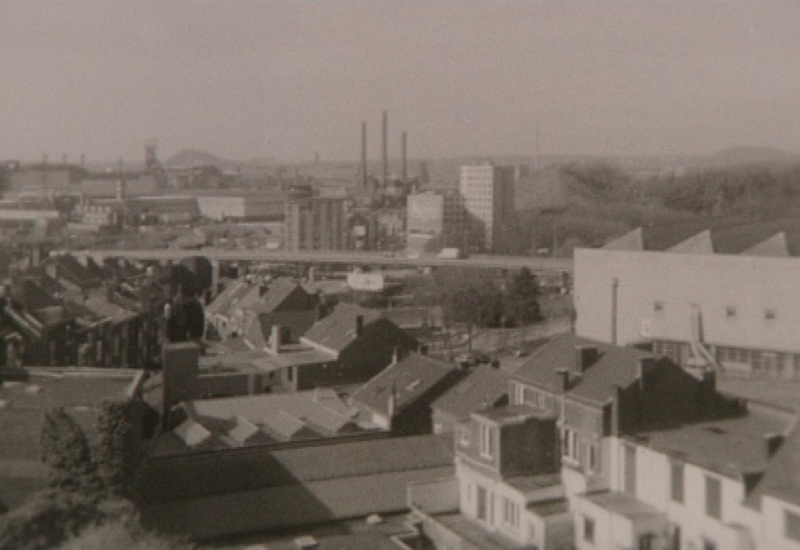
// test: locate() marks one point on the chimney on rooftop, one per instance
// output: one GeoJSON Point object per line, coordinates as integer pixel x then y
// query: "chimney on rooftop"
{"type": "Point", "coordinates": [773, 442]}
{"type": "Point", "coordinates": [275, 339]}
{"type": "Point", "coordinates": [359, 325]}
{"type": "Point", "coordinates": [564, 373]}
{"type": "Point", "coordinates": [616, 400]}
{"type": "Point", "coordinates": [644, 369]}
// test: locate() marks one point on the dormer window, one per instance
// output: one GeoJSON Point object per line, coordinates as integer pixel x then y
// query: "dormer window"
{"type": "Point", "coordinates": [730, 312]}
{"type": "Point", "coordinates": [658, 308]}
{"type": "Point", "coordinates": [769, 314]}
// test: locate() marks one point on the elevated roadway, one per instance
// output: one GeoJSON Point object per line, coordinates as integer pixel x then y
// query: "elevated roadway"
{"type": "Point", "coordinates": [537, 264]}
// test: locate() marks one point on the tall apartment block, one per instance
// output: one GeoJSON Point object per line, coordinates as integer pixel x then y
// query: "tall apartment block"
{"type": "Point", "coordinates": [488, 195]}
{"type": "Point", "coordinates": [314, 223]}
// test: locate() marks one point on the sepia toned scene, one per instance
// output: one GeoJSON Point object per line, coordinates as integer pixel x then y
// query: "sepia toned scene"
{"type": "Point", "coordinates": [399, 275]}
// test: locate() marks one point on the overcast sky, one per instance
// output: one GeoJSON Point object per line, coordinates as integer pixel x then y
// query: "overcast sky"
{"type": "Point", "coordinates": [287, 79]}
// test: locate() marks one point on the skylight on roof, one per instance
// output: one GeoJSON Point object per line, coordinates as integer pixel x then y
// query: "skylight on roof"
{"type": "Point", "coordinates": [413, 385]}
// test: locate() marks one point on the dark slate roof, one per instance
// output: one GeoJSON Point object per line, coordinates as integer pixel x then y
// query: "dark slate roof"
{"type": "Point", "coordinates": [484, 385]}
{"type": "Point", "coordinates": [733, 447]}
{"type": "Point", "coordinates": [338, 330]}
{"type": "Point", "coordinates": [781, 479]}
{"type": "Point", "coordinates": [278, 292]}
{"type": "Point", "coordinates": [252, 468]}
{"type": "Point", "coordinates": [615, 366]}
{"type": "Point", "coordinates": [410, 378]}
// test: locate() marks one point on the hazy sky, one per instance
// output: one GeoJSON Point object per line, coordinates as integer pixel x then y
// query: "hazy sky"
{"type": "Point", "coordinates": [286, 79]}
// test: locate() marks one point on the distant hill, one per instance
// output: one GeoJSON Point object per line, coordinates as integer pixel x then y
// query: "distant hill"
{"type": "Point", "coordinates": [193, 157]}
{"type": "Point", "coordinates": [751, 155]}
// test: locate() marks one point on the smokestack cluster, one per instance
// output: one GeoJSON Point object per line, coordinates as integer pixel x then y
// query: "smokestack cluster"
{"type": "Point", "coordinates": [385, 179]}
{"type": "Point", "coordinates": [364, 154]}
{"type": "Point", "coordinates": [384, 153]}
{"type": "Point", "coordinates": [404, 157]}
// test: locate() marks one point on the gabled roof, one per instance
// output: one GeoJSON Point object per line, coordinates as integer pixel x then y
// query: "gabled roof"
{"type": "Point", "coordinates": [338, 330]}
{"type": "Point", "coordinates": [697, 244]}
{"type": "Point", "coordinates": [614, 366]}
{"type": "Point", "coordinates": [629, 241]}
{"type": "Point", "coordinates": [484, 385]}
{"type": "Point", "coordinates": [775, 247]}
{"type": "Point", "coordinates": [221, 304]}
{"type": "Point", "coordinates": [279, 292]}
{"type": "Point", "coordinates": [781, 479]}
{"type": "Point", "coordinates": [414, 317]}
{"type": "Point", "coordinates": [408, 379]}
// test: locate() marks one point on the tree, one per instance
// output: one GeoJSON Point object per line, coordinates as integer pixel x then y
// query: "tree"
{"type": "Point", "coordinates": [521, 302]}
{"type": "Point", "coordinates": [65, 448]}
{"type": "Point", "coordinates": [116, 455]}
{"type": "Point", "coordinates": [475, 305]}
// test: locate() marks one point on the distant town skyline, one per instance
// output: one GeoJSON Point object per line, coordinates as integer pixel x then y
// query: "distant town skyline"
{"type": "Point", "coordinates": [286, 80]}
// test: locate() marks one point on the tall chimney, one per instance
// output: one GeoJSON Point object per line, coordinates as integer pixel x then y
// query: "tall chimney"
{"type": "Point", "coordinates": [364, 154]}
{"type": "Point", "coordinates": [385, 149]}
{"type": "Point", "coordinates": [275, 339]}
{"type": "Point", "coordinates": [359, 325]}
{"type": "Point", "coordinates": [405, 158]}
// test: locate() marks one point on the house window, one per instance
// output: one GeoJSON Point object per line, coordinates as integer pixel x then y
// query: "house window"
{"type": "Point", "coordinates": [769, 314]}
{"type": "Point", "coordinates": [791, 525]}
{"type": "Point", "coordinates": [570, 444]}
{"type": "Point", "coordinates": [588, 529]}
{"type": "Point", "coordinates": [658, 307]}
{"type": "Point", "coordinates": [730, 312]}
{"type": "Point", "coordinates": [713, 497]}
{"type": "Point", "coordinates": [464, 436]}
{"type": "Point", "coordinates": [290, 374]}
{"type": "Point", "coordinates": [630, 469]}
{"type": "Point", "coordinates": [510, 513]}
{"type": "Point", "coordinates": [481, 511]}
{"type": "Point", "coordinates": [709, 545]}
{"type": "Point", "coordinates": [592, 458]}
{"type": "Point", "coordinates": [487, 441]}
{"type": "Point", "coordinates": [676, 470]}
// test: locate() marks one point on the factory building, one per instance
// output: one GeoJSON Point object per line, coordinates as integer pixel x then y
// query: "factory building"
{"type": "Point", "coordinates": [314, 223]}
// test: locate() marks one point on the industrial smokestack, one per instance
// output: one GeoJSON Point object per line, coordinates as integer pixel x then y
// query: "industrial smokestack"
{"type": "Point", "coordinates": [364, 154]}
{"type": "Point", "coordinates": [405, 150]}
{"type": "Point", "coordinates": [385, 149]}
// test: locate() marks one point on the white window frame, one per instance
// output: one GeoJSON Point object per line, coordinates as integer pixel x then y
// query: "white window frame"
{"type": "Point", "coordinates": [486, 448]}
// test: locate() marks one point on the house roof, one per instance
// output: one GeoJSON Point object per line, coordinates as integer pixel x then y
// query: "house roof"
{"type": "Point", "coordinates": [780, 478]}
{"type": "Point", "coordinates": [484, 385]}
{"type": "Point", "coordinates": [281, 416]}
{"type": "Point", "coordinates": [623, 504]}
{"type": "Point", "coordinates": [338, 330]}
{"type": "Point", "coordinates": [512, 414]}
{"type": "Point", "coordinates": [615, 366]}
{"type": "Point", "coordinates": [98, 303]}
{"type": "Point", "coordinates": [408, 379]}
{"type": "Point", "coordinates": [733, 447]}
{"type": "Point", "coordinates": [223, 301]}
{"type": "Point", "coordinates": [162, 481]}
{"type": "Point", "coordinates": [279, 291]}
